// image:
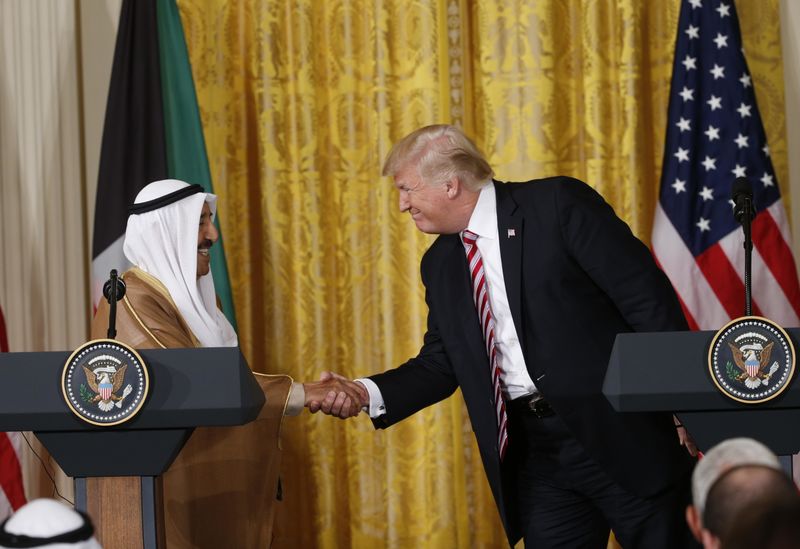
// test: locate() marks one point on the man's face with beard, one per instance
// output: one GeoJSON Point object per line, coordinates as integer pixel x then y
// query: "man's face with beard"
{"type": "Point", "coordinates": [206, 236]}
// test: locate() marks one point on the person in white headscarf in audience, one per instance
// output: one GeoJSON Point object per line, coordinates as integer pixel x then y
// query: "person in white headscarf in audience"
{"type": "Point", "coordinates": [47, 523]}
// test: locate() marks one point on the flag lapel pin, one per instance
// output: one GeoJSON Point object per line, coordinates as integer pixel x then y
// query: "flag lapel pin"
{"type": "Point", "coordinates": [511, 233]}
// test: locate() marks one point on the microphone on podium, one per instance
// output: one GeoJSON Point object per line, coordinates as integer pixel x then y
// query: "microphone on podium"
{"type": "Point", "coordinates": [113, 290]}
{"type": "Point", "coordinates": [742, 194]}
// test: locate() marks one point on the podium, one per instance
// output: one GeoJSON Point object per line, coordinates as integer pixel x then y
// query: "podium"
{"type": "Point", "coordinates": [668, 371]}
{"type": "Point", "coordinates": [188, 388]}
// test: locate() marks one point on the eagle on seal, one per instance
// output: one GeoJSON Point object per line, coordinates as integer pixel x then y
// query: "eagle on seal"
{"type": "Point", "coordinates": [752, 359]}
{"type": "Point", "coordinates": [106, 382]}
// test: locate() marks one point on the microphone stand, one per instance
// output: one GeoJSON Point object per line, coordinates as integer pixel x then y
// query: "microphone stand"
{"type": "Point", "coordinates": [748, 255]}
{"type": "Point", "coordinates": [113, 290]}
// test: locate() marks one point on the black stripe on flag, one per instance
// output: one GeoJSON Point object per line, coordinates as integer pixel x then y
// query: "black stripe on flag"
{"type": "Point", "coordinates": [133, 152]}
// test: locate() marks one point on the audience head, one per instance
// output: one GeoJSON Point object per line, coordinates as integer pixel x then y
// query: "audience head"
{"type": "Point", "coordinates": [730, 478]}
{"type": "Point", "coordinates": [771, 522]}
{"type": "Point", "coordinates": [48, 523]}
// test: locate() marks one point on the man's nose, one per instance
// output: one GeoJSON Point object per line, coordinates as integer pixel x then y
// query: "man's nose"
{"type": "Point", "coordinates": [404, 205]}
{"type": "Point", "coordinates": [212, 233]}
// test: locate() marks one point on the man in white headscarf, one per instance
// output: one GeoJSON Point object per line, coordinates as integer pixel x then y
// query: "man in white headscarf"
{"type": "Point", "coordinates": [170, 300]}
{"type": "Point", "coordinates": [219, 491]}
{"type": "Point", "coordinates": [170, 253]}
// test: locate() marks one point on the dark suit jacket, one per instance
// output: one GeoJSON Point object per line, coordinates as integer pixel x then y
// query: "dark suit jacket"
{"type": "Point", "coordinates": [575, 277]}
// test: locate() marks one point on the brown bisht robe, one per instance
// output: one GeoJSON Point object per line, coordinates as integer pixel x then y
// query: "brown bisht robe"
{"type": "Point", "coordinates": [221, 489]}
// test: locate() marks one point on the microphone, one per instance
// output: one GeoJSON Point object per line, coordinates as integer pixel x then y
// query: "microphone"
{"type": "Point", "coordinates": [111, 283]}
{"type": "Point", "coordinates": [742, 195]}
{"type": "Point", "coordinates": [113, 290]}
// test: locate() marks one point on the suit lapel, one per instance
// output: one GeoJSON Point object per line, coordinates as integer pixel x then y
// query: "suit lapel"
{"type": "Point", "coordinates": [510, 232]}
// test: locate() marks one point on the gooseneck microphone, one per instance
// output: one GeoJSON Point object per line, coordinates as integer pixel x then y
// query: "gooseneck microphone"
{"type": "Point", "coordinates": [742, 195]}
{"type": "Point", "coordinates": [113, 290]}
{"type": "Point", "coordinates": [744, 212]}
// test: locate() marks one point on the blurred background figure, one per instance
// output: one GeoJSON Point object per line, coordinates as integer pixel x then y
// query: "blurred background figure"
{"type": "Point", "coordinates": [737, 478]}
{"type": "Point", "coordinates": [48, 523]}
{"type": "Point", "coordinates": [772, 522]}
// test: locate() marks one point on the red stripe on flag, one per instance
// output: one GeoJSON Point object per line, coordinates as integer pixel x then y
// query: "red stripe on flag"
{"type": "Point", "coordinates": [3, 337]}
{"type": "Point", "coordinates": [693, 325]}
{"type": "Point", "coordinates": [11, 473]}
{"type": "Point", "coordinates": [777, 255]}
{"type": "Point", "coordinates": [689, 318]}
{"type": "Point", "coordinates": [724, 280]}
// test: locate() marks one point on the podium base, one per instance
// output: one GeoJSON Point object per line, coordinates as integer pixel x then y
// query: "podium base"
{"type": "Point", "coordinates": [126, 511]}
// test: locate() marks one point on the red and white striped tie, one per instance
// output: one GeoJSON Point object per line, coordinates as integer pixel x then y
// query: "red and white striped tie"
{"type": "Point", "coordinates": [480, 295]}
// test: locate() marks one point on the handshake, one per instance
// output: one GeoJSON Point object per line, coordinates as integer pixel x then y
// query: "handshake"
{"type": "Point", "coordinates": [336, 395]}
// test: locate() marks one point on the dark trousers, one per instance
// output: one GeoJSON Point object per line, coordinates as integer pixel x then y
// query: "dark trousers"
{"type": "Point", "coordinates": [565, 499]}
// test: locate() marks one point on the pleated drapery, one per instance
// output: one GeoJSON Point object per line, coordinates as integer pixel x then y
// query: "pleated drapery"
{"type": "Point", "coordinates": [301, 101]}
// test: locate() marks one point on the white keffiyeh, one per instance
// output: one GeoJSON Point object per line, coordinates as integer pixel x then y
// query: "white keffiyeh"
{"type": "Point", "coordinates": [163, 243]}
{"type": "Point", "coordinates": [47, 523]}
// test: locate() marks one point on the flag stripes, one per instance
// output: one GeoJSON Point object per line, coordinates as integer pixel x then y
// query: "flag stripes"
{"type": "Point", "coordinates": [715, 135]}
{"type": "Point", "coordinates": [12, 490]}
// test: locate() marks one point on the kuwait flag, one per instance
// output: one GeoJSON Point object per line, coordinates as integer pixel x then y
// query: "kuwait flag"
{"type": "Point", "coordinates": [152, 131]}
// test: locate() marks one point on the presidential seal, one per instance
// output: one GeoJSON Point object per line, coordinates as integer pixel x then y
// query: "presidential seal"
{"type": "Point", "coordinates": [105, 382]}
{"type": "Point", "coordinates": [751, 360]}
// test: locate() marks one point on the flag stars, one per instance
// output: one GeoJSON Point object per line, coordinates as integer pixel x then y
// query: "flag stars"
{"type": "Point", "coordinates": [767, 180]}
{"type": "Point", "coordinates": [707, 194]}
{"type": "Point", "coordinates": [744, 110]}
{"type": "Point", "coordinates": [721, 40]}
{"type": "Point", "coordinates": [718, 72]}
{"type": "Point", "coordinates": [687, 94]}
{"type": "Point", "coordinates": [693, 32]}
{"type": "Point", "coordinates": [709, 163]}
{"type": "Point", "coordinates": [745, 80]}
{"type": "Point", "coordinates": [696, 3]}
{"type": "Point", "coordinates": [679, 186]}
{"type": "Point", "coordinates": [682, 155]}
{"type": "Point", "coordinates": [715, 103]}
{"type": "Point", "coordinates": [739, 171]}
{"type": "Point", "coordinates": [704, 225]}
{"type": "Point", "coordinates": [724, 10]}
{"type": "Point", "coordinates": [741, 141]}
{"type": "Point", "coordinates": [684, 124]}
{"type": "Point", "coordinates": [712, 133]}
{"type": "Point", "coordinates": [765, 148]}
{"type": "Point", "coordinates": [689, 62]}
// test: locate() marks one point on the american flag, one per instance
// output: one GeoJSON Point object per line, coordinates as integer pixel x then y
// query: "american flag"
{"type": "Point", "coordinates": [714, 135]}
{"type": "Point", "coordinates": [12, 492]}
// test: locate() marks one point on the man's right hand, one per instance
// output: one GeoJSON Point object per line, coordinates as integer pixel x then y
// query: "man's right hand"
{"type": "Point", "coordinates": [335, 395]}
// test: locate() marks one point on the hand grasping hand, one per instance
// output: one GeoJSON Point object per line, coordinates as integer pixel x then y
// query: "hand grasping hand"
{"type": "Point", "coordinates": [336, 395]}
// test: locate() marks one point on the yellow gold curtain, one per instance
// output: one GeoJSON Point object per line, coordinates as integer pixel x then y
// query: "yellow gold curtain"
{"type": "Point", "coordinates": [301, 100]}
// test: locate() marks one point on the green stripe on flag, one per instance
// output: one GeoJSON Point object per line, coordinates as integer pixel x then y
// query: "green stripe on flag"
{"type": "Point", "coordinates": [186, 148]}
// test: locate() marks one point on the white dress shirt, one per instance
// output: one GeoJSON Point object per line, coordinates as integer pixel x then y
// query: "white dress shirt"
{"type": "Point", "coordinates": [515, 380]}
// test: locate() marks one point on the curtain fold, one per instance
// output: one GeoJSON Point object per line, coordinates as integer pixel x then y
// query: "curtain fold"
{"type": "Point", "coordinates": [300, 102]}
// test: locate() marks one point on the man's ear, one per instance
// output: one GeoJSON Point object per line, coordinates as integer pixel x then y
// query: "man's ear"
{"type": "Point", "coordinates": [693, 520]}
{"type": "Point", "coordinates": [452, 187]}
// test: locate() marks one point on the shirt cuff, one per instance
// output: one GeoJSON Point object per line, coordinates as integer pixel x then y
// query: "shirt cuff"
{"type": "Point", "coordinates": [376, 405]}
{"type": "Point", "coordinates": [296, 400]}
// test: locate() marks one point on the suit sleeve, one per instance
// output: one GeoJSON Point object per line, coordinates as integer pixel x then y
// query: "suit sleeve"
{"type": "Point", "coordinates": [420, 382]}
{"type": "Point", "coordinates": [618, 262]}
